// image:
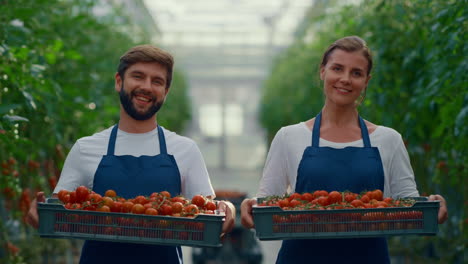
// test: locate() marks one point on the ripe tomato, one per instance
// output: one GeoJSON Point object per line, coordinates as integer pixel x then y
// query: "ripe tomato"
{"type": "Point", "coordinates": [294, 203]}
{"type": "Point", "coordinates": [191, 209]}
{"type": "Point", "coordinates": [210, 205]}
{"type": "Point", "coordinates": [365, 198]}
{"type": "Point", "coordinates": [198, 200]}
{"type": "Point", "coordinates": [377, 194]}
{"type": "Point", "coordinates": [106, 200]}
{"type": "Point", "coordinates": [94, 197]}
{"type": "Point", "coordinates": [151, 211]}
{"type": "Point", "coordinates": [320, 193]}
{"type": "Point", "coordinates": [294, 196]}
{"type": "Point", "coordinates": [82, 193]}
{"type": "Point", "coordinates": [110, 193]}
{"type": "Point", "coordinates": [127, 207]}
{"type": "Point", "coordinates": [323, 200]}
{"type": "Point", "coordinates": [138, 208]}
{"type": "Point", "coordinates": [307, 197]}
{"type": "Point", "coordinates": [140, 199]}
{"type": "Point", "coordinates": [165, 209]}
{"type": "Point", "coordinates": [61, 194]}
{"type": "Point", "coordinates": [73, 197]}
{"type": "Point", "coordinates": [103, 208]}
{"type": "Point", "coordinates": [357, 203]}
{"type": "Point", "coordinates": [349, 197]}
{"type": "Point", "coordinates": [165, 194]}
{"type": "Point", "coordinates": [116, 207]}
{"type": "Point", "coordinates": [283, 203]}
{"type": "Point", "coordinates": [177, 207]}
{"type": "Point", "coordinates": [334, 197]}
{"type": "Point", "coordinates": [179, 199]}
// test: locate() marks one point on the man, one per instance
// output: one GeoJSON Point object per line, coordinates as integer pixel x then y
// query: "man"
{"type": "Point", "coordinates": [137, 157]}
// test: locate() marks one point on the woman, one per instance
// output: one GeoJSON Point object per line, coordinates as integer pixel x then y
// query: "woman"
{"type": "Point", "coordinates": [338, 150]}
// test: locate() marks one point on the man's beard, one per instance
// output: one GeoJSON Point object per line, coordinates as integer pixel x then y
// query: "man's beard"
{"type": "Point", "coordinates": [126, 101]}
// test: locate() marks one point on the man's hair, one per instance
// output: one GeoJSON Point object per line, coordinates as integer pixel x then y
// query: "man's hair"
{"type": "Point", "coordinates": [147, 53]}
{"type": "Point", "coordinates": [349, 44]}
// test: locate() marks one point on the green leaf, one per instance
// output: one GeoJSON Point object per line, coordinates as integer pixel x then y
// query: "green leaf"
{"type": "Point", "coordinates": [6, 108]}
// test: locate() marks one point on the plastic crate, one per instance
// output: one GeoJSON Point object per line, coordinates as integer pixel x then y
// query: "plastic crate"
{"type": "Point", "coordinates": [274, 223]}
{"type": "Point", "coordinates": [55, 221]}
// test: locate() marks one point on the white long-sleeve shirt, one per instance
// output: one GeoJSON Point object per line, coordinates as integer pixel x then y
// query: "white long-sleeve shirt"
{"type": "Point", "coordinates": [285, 154]}
{"type": "Point", "coordinates": [86, 154]}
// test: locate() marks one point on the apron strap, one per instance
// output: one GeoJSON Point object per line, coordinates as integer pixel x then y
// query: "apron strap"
{"type": "Point", "coordinates": [111, 145]}
{"type": "Point", "coordinates": [316, 131]}
{"type": "Point", "coordinates": [162, 141]}
{"type": "Point", "coordinates": [364, 133]}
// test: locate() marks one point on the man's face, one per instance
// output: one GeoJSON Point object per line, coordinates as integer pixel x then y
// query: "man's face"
{"type": "Point", "coordinates": [143, 90]}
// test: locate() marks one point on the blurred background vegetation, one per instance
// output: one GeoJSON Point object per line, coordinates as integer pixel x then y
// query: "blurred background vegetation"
{"type": "Point", "coordinates": [57, 65]}
{"type": "Point", "coordinates": [419, 87]}
{"type": "Point", "coordinates": [58, 60]}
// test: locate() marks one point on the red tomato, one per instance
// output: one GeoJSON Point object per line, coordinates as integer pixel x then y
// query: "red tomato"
{"type": "Point", "coordinates": [165, 194]}
{"type": "Point", "coordinates": [94, 197]}
{"type": "Point", "coordinates": [140, 199]}
{"type": "Point", "coordinates": [388, 200]}
{"type": "Point", "coordinates": [365, 198]}
{"type": "Point", "coordinates": [165, 209]}
{"type": "Point", "coordinates": [357, 203]}
{"type": "Point", "coordinates": [82, 193]}
{"type": "Point", "coordinates": [127, 207]}
{"type": "Point", "coordinates": [320, 193]}
{"type": "Point", "coordinates": [110, 193]}
{"type": "Point", "coordinates": [179, 199]}
{"type": "Point", "coordinates": [210, 205]}
{"type": "Point", "coordinates": [73, 197]}
{"type": "Point", "coordinates": [138, 208]}
{"type": "Point", "coordinates": [66, 198]}
{"type": "Point", "coordinates": [283, 203]}
{"type": "Point", "coordinates": [334, 197]}
{"type": "Point", "coordinates": [294, 196]}
{"type": "Point", "coordinates": [349, 197]}
{"type": "Point", "coordinates": [61, 194]}
{"type": "Point", "coordinates": [377, 194]}
{"type": "Point", "coordinates": [294, 203]}
{"type": "Point", "coordinates": [106, 200]}
{"type": "Point", "coordinates": [198, 200]}
{"type": "Point", "coordinates": [116, 207]}
{"type": "Point", "coordinates": [177, 207]}
{"type": "Point", "coordinates": [323, 201]}
{"type": "Point", "coordinates": [103, 208]}
{"type": "Point", "coordinates": [151, 211]}
{"type": "Point", "coordinates": [191, 209]}
{"type": "Point", "coordinates": [307, 197]}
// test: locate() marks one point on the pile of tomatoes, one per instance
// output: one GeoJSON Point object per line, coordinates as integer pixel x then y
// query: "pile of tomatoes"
{"type": "Point", "coordinates": [158, 203]}
{"type": "Point", "coordinates": [323, 200]}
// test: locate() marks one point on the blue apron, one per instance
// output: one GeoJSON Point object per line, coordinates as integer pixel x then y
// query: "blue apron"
{"type": "Point", "coordinates": [131, 176]}
{"type": "Point", "coordinates": [324, 168]}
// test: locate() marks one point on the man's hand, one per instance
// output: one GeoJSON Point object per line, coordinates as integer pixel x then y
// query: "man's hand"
{"type": "Point", "coordinates": [246, 212]}
{"type": "Point", "coordinates": [443, 211]}
{"type": "Point", "coordinates": [33, 217]}
{"type": "Point", "coordinates": [230, 219]}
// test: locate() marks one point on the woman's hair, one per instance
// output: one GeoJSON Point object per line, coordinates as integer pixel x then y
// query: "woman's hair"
{"type": "Point", "coordinates": [349, 44]}
{"type": "Point", "coordinates": [147, 53]}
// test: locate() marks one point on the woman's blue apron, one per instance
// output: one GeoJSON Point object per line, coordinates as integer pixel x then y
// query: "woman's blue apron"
{"type": "Point", "coordinates": [131, 176]}
{"type": "Point", "coordinates": [324, 168]}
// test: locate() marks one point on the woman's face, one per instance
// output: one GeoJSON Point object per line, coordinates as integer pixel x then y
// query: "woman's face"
{"type": "Point", "coordinates": [345, 77]}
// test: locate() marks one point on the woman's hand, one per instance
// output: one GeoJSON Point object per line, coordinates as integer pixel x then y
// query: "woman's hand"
{"type": "Point", "coordinates": [246, 212]}
{"type": "Point", "coordinates": [33, 217]}
{"type": "Point", "coordinates": [443, 211]}
{"type": "Point", "coordinates": [230, 219]}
